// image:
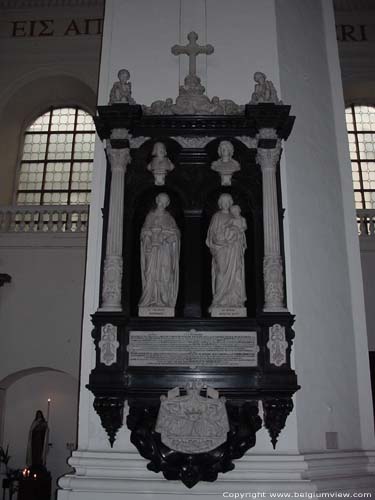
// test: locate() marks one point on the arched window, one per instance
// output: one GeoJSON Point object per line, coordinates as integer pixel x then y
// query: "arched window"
{"type": "Point", "coordinates": [57, 158]}
{"type": "Point", "coordinates": [360, 122]}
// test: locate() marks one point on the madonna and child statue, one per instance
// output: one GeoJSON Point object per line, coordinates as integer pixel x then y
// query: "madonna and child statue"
{"type": "Point", "coordinates": [227, 242]}
{"type": "Point", "coordinates": [160, 254]}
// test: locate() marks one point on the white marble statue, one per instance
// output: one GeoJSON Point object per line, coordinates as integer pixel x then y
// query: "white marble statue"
{"type": "Point", "coordinates": [160, 254]}
{"type": "Point", "coordinates": [121, 92]}
{"type": "Point", "coordinates": [227, 242]}
{"type": "Point", "coordinates": [225, 165]}
{"type": "Point", "coordinates": [160, 164]}
{"type": "Point", "coordinates": [264, 90]}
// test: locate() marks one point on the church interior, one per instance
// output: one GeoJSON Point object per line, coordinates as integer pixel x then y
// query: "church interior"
{"type": "Point", "coordinates": [63, 117]}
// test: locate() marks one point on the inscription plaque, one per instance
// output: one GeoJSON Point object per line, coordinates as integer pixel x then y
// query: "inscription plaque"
{"type": "Point", "coordinates": [193, 349]}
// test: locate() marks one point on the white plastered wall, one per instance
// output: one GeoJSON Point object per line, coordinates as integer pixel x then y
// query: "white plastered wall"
{"type": "Point", "coordinates": [325, 275]}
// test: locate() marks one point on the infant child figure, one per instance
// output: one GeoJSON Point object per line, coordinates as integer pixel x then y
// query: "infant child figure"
{"type": "Point", "coordinates": [237, 226]}
{"type": "Point", "coordinates": [121, 92]}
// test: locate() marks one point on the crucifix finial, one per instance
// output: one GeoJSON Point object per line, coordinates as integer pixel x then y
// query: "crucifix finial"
{"type": "Point", "coordinates": [192, 50]}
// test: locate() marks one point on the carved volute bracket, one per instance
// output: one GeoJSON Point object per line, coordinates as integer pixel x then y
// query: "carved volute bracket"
{"type": "Point", "coordinates": [111, 413]}
{"type": "Point", "coordinates": [275, 413]}
{"type": "Point", "coordinates": [5, 278]}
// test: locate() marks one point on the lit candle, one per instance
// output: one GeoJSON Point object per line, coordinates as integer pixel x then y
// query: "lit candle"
{"type": "Point", "coordinates": [48, 408]}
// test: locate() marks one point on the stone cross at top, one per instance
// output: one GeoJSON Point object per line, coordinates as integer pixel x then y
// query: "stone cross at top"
{"type": "Point", "coordinates": [192, 49]}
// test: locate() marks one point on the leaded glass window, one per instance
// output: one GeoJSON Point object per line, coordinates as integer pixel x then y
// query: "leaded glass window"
{"type": "Point", "coordinates": [57, 159]}
{"type": "Point", "coordinates": [360, 122]}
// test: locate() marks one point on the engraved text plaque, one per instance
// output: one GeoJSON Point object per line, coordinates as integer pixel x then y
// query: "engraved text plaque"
{"type": "Point", "coordinates": [193, 349]}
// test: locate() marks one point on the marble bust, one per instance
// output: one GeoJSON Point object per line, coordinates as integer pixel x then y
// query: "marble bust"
{"type": "Point", "coordinates": [160, 164]}
{"type": "Point", "coordinates": [227, 242]}
{"type": "Point", "coordinates": [160, 255]}
{"type": "Point", "coordinates": [121, 92]}
{"type": "Point", "coordinates": [225, 165]}
{"type": "Point", "coordinates": [264, 90]}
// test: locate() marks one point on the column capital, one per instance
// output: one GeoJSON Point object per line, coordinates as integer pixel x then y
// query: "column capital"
{"type": "Point", "coordinates": [267, 133]}
{"type": "Point", "coordinates": [119, 158]}
{"type": "Point", "coordinates": [119, 134]}
{"type": "Point", "coordinates": [268, 158]}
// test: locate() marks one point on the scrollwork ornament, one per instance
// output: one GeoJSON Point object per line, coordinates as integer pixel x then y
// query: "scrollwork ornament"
{"type": "Point", "coordinates": [277, 345]}
{"type": "Point", "coordinates": [273, 282]}
{"type": "Point", "coordinates": [137, 142]}
{"type": "Point", "coordinates": [108, 344]}
{"type": "Point", "coordinates": [192, 142]}
{"type": "Point", "coordinates": [250, 142]}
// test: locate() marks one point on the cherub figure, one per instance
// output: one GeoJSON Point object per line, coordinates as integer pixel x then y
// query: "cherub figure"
{"type": "Point", "coordinates": [264, 90]}
{"type": "Point", "coordinates": [216, 107]}
{"type": "Point", "coordinates": [160, 164]}
{"type": "Point", "coordinates": [121, 92]}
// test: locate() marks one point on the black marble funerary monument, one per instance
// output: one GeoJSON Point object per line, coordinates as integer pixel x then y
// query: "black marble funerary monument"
{"type": "Point", "coordinates": [193, 188]}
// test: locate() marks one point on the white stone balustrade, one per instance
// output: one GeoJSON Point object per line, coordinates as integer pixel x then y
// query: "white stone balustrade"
{"type": "Point", "coordinates": [366, 223]}
{"type": "Point", "coordinates": [44, 219]}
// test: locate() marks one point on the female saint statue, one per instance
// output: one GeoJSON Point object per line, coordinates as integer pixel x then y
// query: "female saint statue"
{"type": "Point", "coordinates": [160, 254]}
{"type": "Point", "coordinates": [227, 243]}
{"type": "Point", "coordinates": [37, 444]}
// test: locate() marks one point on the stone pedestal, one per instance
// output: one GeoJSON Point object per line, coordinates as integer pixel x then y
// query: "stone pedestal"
{"type": "Point", "coordinates": [156, 312]}
{"type": "Point", "coordinates": [228, 312]}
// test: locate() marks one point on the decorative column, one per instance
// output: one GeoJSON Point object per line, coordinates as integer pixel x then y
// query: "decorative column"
{"type": "Point", "coordinates": [272, 264]}
{"type": "Point", "coordinates": [119, 155]}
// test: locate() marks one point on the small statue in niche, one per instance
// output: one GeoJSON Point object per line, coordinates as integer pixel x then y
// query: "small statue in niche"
{"type": "Point", "coordinates": [264, 90]}
{"type": "Point", "coordinates": [160, 255]}
{"type": "Point", "coordinates": [37, 444]}
{"type": "Point", "coordinates": [121, 92]}
{"type": "Point", "coordinates": [225, 165]}
{"type": "Point", "coordinates": [160, 164]}
{"type": "Point", "coordinates": [227, 242]}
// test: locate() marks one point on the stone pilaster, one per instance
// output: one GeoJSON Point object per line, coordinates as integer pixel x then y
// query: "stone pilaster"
{"type": "Point", "coordinates": [272, 264]}
{"type": "Point", "coordinates": [112, 275]}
